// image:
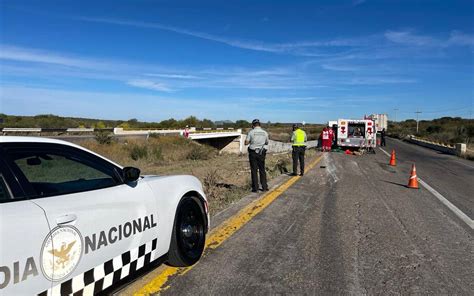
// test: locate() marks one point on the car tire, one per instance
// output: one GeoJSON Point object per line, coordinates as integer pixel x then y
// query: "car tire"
{"type": "Point", "coordinates": [189, 233]}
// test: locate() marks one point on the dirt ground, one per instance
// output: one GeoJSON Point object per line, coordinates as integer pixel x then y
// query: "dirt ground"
{"type": "Point", "coordinates": [226, 177]}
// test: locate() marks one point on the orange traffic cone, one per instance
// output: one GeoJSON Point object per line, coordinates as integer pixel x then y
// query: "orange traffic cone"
{"type": "Point", "coordinates": [413, 181]}
{"type": "Point", "coordinates": [393, 162]}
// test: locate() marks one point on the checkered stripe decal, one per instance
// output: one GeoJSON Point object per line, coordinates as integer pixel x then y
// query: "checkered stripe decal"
{"type": "Point", "coordinates": [105, 275]}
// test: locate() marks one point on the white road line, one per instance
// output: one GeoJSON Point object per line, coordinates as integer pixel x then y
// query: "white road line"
{"type": "Point", "coordinates": [470, 166]}
{"type": "Point", "coordinates": [443, 199]}
{"type": "Point", "coordinates": [388, 154]}
{"type": "Point", "coordinates": [450, 206]}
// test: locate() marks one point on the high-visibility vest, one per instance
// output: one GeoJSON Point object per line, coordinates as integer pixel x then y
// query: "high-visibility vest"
{"type": "Point", "coordinates": [299, 138]}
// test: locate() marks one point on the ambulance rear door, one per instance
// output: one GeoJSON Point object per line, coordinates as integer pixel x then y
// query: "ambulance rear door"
{"type": "Point", "coordinates": [370, 133]}
{"type": "Point", "coordinates": [342, 130]}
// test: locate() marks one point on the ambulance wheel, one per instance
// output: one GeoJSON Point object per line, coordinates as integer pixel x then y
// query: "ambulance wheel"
{"type": "Point", "coordinates": [189, 233]}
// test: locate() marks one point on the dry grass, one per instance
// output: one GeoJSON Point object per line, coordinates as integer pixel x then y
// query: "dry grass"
{"type": "Point", "coordinates": [470, 152]}
{"type": "Point", "coordinates": [226, 177]}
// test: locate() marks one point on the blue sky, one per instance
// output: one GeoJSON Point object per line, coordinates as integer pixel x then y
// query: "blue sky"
{"type": "Point", "coordinates": [287, 61]}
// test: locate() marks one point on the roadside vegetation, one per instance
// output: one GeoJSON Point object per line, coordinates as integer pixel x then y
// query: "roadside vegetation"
{"type": "Point", "coordinates": [278, 131]}
{"type": "Point", "coordinates": [53, 121]}
{"type": "Point", "coordinates": [445, 130]}
{"type": "Point", "coordinates": [226, 177]}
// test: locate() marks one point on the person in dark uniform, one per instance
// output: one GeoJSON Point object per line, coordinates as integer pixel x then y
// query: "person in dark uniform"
{"type": "Point", "coordinates": [257, 139]}
{"type": "Point", "coordinates": [382, 137]}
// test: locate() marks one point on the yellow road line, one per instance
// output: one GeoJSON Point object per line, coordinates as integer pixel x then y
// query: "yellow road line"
{"type": "Point", "coordinates": [223, 232]}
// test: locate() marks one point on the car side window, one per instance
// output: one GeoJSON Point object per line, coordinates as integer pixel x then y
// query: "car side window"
{"type": "Point", "coordinates": [61, 171]}
{"type": "Point", "coordinates": [4, 194]}
{"type": "Point", "coordinates": [51, 168]}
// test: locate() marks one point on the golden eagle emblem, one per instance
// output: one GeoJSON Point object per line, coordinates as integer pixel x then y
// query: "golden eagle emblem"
{"type": "Point", "coordinates": [62, 254]}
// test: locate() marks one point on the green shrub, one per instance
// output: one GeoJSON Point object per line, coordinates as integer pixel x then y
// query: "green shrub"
{"type": "Point", "coordinates": [154, 135]}
{"type": "Point", "coordinates": [199, 152]}
{"type": "Point", "coordinates": [103, 138]}
{"type": "Point", "coordinates": [157, 153]}
{"type": "Point", "coordinates": [138, 152]}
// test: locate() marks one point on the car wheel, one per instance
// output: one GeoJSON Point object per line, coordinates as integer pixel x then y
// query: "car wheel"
{"type": "Point", "coordinates": [189, 233]}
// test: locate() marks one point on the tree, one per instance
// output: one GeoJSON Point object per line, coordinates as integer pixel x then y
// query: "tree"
{"type": "Point", "coordinates": [124, 125]}
{"type": "Point", "coordinates": [207, 123]}
{"type": "Point", "coordinates": [191, 121]}
{"type": "Point", "coordinates": [169, 123]}
{"type": "Point", "coordinates": [242, 123]}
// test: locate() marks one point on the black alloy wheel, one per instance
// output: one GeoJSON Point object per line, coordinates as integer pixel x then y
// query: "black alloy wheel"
{"type": "Point", "coordinates": [189, 234]}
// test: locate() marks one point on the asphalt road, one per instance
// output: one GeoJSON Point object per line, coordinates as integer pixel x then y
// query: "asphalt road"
{"type": "Point", "coordinates": [350, 226]}
{"type": "Point", "coordinates": [451, 176]}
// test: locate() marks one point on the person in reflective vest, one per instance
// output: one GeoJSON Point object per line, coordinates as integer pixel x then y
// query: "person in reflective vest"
{"type": "Point", "coordinates": [299, 146]}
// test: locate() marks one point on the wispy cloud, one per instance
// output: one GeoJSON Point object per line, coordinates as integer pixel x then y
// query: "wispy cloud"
{"type": "Point", "coordinates": [408, 37]}
{"type": "Point", "coordinates": [358, 2]}
{"type": "Point", "coordinates": [15, 53]}
{"type": "Point", "coordinates": [148, 84]}
{"type": "Point", "coordinates": [173, 76]}
{"type": "Point", "coordinates": [460, 38]}
{"type": "Point", "coordinates": [55, 67]}
{"type": "Point", "coordinates": [305, 48]}
{"type": "Point", "coordinates": [336, 67]}
{"type": "Point", "coordinates": [377, 81]}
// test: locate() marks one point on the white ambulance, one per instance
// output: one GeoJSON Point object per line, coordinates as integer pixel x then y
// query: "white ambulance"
{"type": "Point", "coordinates": [356, 133]}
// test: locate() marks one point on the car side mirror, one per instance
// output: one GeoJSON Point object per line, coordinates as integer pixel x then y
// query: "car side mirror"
{"type": "Point", "coordinates": [130, 174]}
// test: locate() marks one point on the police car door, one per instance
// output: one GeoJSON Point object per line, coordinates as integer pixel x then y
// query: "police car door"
{"type": "Point", "coordinates": [100, 226]}
{"type": "Point", "coordinates": [23, 227]}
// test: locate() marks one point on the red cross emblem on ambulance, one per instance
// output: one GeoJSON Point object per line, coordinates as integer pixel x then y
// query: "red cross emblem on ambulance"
{"type": "Point", "coordinates": [369, 130]}
{"type": "Point", "coordinates": [343, 129]}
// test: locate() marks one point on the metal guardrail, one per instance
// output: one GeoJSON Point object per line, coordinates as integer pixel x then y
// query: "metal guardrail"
{"type": "Point", "coordinates": [432, 142]}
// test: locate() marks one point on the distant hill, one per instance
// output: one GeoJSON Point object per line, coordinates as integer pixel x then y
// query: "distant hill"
{"type": "Point", "coordinates": [223, 122]}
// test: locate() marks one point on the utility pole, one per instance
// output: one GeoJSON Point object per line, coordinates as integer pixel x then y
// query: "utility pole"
{"type": "Point", "coordinates": [396, 109]}
{"type": "Point", "coordinates": [417, 113]}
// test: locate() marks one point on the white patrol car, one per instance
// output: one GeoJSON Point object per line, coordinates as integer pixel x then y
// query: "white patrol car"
{"type": "Point", "coordinates": [74, 222]}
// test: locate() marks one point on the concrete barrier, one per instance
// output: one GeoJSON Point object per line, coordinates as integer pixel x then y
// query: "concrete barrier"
{"type": "Point", "coordinates": [21, 130]}
{"type": "Point", "coordinates": [121, 132]}
{"type": "Point", "coordinates": [277, 147]}
{"type": "Point", "coordinates": [461, 149]}
{"type": "Point", "coordinates": [432, 145]}
{"type": "Point", "coordinates": [79, 130]}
